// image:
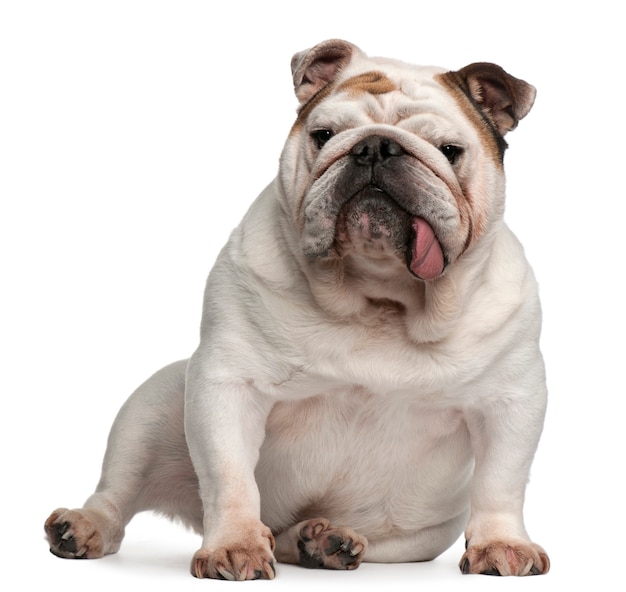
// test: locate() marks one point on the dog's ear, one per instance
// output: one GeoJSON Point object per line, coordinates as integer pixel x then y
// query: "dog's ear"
{"type": "Point", "coordinates": [503, 98]}
{"type": "Point", "coordinates": [314, 68]}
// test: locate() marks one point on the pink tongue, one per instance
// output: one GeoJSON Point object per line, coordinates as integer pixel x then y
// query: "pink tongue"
{"type": "Point", "coordinates": [426, 256]}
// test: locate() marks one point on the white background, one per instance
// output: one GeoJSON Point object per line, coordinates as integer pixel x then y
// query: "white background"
{"type": "Point", "coordinates": [134, 135]}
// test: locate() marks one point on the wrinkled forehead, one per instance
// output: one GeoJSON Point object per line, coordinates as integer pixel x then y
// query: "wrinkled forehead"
{"type": "Point", "coordinates": [377, 90]}
{"type": "Point", "coordinates": [401, 89]}
{"type": "Point", "coordinates": [393, 85]}
{"type": "Point", "coordinates": [383, 92]}
{"type": "Point", "coordinates": [408, 78]}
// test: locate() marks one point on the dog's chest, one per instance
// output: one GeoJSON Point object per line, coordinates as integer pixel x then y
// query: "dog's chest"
{"type": "Point", "coordinates": [381, 359]}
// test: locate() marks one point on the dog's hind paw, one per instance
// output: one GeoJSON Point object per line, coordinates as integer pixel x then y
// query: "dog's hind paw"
{"type": "Point", "coordinates": [72, 535]}
{"type": "Point", "coordinates": [322, 546]}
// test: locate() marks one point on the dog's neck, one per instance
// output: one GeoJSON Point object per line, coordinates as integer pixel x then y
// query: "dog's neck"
{"type": "Point", "coordinates": [370, 292]}
{"type": "Point", "coordinates": [428, 310]}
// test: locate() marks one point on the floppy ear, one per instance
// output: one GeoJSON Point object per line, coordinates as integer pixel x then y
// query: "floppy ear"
{"type": "Point", "coordinates": [314, 68]}
{"type": "Point", "coordinates": [503, 98]}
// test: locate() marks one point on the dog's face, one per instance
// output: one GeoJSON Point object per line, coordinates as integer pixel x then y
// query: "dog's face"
{"type": "Point", "coordinates": [390, 163]}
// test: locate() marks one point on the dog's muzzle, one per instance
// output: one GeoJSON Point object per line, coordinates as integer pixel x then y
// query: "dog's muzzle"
{"type": "Point", "coordinates": [364, 200]}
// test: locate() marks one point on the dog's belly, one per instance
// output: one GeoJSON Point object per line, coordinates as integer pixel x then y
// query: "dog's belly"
{"type": "Point", "coordinates": [381, 465]}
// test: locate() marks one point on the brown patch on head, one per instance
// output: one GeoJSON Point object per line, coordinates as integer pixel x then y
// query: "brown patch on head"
{"type": "Point", "coordinates": [494, 143]}
{"type": "Point", "coordinates": [374, 83]}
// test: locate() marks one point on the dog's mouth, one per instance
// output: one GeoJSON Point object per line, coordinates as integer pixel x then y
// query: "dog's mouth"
{"type": "Point", "coordinates": [374, 224]}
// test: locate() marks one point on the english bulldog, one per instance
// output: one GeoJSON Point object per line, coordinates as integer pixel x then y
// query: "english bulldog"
{"type": "Point", "coordinates": [368, 383]}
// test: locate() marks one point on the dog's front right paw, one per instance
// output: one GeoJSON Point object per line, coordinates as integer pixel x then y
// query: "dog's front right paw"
{"type": "Point", "coordinates": [500, 558]}
{"type": "Point", "coordinates": [251, 558]}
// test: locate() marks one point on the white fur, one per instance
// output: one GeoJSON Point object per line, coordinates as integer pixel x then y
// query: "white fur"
{"type": "Point", "coordinates": [345, 389]}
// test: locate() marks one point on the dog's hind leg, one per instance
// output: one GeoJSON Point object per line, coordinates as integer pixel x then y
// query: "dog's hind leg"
{"type": "Point", "coordinates": [317, 544]}
{"type": "Point", "coordinates": [146, 467]}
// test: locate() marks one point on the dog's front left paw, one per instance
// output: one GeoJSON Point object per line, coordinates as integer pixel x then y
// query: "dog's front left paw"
{"type": "Point", "coordinates": [249, 558]}
{"type": "Point", "coordinates": [505, 559]}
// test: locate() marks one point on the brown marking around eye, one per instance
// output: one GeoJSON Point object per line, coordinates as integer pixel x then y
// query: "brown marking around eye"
{"type": "Point", "coordinates": [305, 110]}
{"type": "Point", "coordinates": [493, 142]}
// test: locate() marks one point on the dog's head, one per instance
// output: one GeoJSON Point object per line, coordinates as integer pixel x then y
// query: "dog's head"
{"type": "Point", "coordinates": [392, 163]}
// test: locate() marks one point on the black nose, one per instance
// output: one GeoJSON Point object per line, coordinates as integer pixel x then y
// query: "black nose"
{"type": "Point", "coordinates": [375, 149]}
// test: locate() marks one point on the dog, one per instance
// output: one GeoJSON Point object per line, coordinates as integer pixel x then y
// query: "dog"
{"type": "Point", "coordinates": [368, 383]}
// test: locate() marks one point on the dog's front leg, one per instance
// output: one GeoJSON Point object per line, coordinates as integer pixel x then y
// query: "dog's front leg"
{"type": "Point", "coordinates": [504, 438]}
{"type": "Point", "coordinates": [225, 426]}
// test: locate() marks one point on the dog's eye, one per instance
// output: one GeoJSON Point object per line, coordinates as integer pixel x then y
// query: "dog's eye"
{"type": "Point", "coordinates": [451, 152]}
{"type": "Point", "coordinates": [320, 137]}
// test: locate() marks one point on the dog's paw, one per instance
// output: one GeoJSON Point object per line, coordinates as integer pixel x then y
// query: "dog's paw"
{"type": "Point", "coordinates": [322, 546]}
{"type": "Point", "coordinates": [505, 559]}
{"type": "Point", "coordinates": [251, 558]}
{"type": "Point", "coordinates": [72, 535]}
